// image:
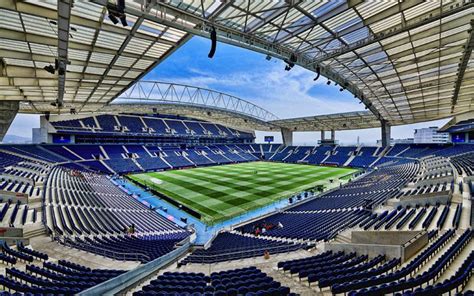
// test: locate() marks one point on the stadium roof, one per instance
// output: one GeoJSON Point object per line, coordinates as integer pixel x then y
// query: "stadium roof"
{"type": "Point", "coordinates": [105, 59]}
{"type": "Point", "coordinates": [407, 61]}
{"type": "Point", "coordinates": [340, 121]}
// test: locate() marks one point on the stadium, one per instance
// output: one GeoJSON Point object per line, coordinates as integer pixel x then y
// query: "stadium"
{"type": "Point", "coordinates": [139, 186]}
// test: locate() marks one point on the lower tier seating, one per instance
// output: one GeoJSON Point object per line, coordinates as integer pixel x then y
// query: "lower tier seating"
{"type": "Point", "coordinates": [245, 281]}
{"type": "Point", "coordinates": [309, 226]}
{"type": "Point", "coordinates": [31, 272]}
{"type": "Point", "coordinates": [229, 246]}
{"type": "Point", "coordinates": [129, 248]}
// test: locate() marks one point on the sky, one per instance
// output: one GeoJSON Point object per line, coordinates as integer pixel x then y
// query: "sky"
{"type": "Point", "coordinates": [248, 75]}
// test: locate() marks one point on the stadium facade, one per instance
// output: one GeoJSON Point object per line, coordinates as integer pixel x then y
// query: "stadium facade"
{"type": "Point", "coordinates": [152, 188]}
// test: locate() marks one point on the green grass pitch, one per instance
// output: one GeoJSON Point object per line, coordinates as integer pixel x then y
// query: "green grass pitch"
{"type": "Point", "coordinates": [222, 192]}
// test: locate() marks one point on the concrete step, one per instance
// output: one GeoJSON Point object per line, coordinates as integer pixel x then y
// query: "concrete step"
{"type": "Point", "coordinates": [342, 239]}
{"type": "Point", "coordinates": [34, 230]}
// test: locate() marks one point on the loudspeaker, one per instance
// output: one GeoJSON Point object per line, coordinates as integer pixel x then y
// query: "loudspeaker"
{"type": "Point", "coordinates": [213, 43]}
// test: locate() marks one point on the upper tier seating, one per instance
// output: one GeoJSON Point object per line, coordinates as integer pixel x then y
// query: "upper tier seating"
{"type": "Point", "coordinates": [108, 123]}
{"type": "Point", "coordinates": [397, 149]}
{"type": "Point", "coordinates": [133, 123]}
{"type": "Point", "coordinates": [149, 126]}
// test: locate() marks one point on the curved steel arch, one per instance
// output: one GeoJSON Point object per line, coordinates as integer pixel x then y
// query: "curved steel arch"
{"type": "Point", "coordinates": [166, 92]}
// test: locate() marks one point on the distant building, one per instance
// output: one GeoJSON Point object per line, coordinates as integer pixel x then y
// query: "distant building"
{"type": "Point", "coordinates": [398, 141]}
{"type": "Point", "coordinates": [430, 135]}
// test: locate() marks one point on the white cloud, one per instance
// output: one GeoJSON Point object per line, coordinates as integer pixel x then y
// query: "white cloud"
{"type": "Point", "coordinates": [284, 93]}
{"type": "Point", "coordinates": [288, 94]}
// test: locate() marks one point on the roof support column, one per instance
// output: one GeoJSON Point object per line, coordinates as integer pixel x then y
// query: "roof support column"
{"type": "Point", "coordinates": [8, 111]}
{"type": "Point", "coordinates": [333, 135]}
{"type": "Point", "coordinates": [287, 136]}
{"type": "Point", "coordinates": [385, 133]}
{"type": "Point", "coordinates": [323, 135]}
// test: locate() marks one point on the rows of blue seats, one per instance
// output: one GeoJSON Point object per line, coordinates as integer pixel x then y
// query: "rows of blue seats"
{"type": "Point", "coordinates": [301, 225]}
{"type": "Point", "coordinates": [134, 125]}
{"type": "Point", "coordinates": [143, 249]}
{"type": "Point", "coordinates": [392, 277]}
{"type": "Point", "coordinates": [62, 278]}
{"type": "Point", "coordinates": [340, 155]}
{"type": "Point", "coordinates": [394, 282]}
{"type": "Point", "coordinates": [228, 246]}
{"type": "Point", "coordinates": [248, 281]}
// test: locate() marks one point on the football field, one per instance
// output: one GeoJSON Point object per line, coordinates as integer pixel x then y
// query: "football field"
{"type": "Point", "coordinates": [218, 193]}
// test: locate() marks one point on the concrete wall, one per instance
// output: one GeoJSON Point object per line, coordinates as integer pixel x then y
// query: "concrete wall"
{"type": "Point", "coordinates": [393, 244]}
{"type": "Point", "coordinates": [287, 136]}
{"type": "Point", "coordinates": [390, 251]}
{"type": "Point", "coordinates": [415, 245]}
{"type": "Point", "coordinates": [433, 181]}
{"type": "Point", "coordinates": [14, 196]}
{"type": "Point", "coordinates": [382, 237]}
{"type": "Point", "coordinates": [422, 199]}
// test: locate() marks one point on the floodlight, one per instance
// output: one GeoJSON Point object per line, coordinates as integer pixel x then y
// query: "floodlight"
{"type": "Point", "coordinates": [318, 72]}
{"type": "Point", "coordinates": [213, 43]}
{"type": "Point", "coordinates": [113, 19]}
{"type": "Point", "coordinates": [291, 62]}
{"type": "Point", "coordinates": [49, 69]}
{"type": "Point", "coordinates": [117, 12]}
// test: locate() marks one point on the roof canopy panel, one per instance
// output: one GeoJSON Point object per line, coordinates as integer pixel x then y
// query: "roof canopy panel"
{"type": "Point", "coordinates": [102, 58]}
{"type": "Point", "coordinates": [408, 61]}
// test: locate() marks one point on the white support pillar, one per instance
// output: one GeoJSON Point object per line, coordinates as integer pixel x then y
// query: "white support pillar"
{"type": "Point", "coordinates": [385, 133]}
{"type": "Point", "coordinates": [287, 136]}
